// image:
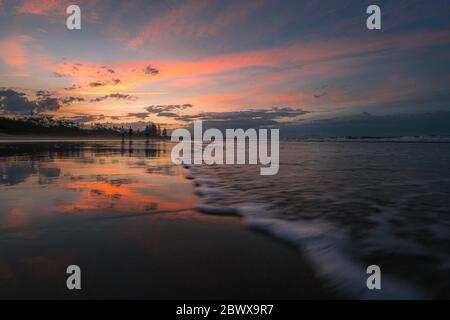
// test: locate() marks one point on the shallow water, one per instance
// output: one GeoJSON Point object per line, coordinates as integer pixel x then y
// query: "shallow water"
{"type": "Point", "coordinates": [350, 205]}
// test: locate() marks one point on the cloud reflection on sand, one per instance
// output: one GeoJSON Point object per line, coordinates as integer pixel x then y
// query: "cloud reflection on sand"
{"type": "Point", "coordinates": [44, 181]}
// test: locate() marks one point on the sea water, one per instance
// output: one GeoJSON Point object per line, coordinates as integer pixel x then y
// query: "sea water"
{"type": "Point", "coordinates": [348, 204]}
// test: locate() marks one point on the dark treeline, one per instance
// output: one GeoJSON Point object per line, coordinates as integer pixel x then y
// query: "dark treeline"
{"type": "Point", "coordinates": [156, 131]}
{"type": "Point", "coordinates": [47, 126]}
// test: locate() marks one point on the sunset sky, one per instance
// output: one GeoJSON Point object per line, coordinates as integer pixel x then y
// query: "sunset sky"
{"type": "Point", "coordinates": [262, 63]}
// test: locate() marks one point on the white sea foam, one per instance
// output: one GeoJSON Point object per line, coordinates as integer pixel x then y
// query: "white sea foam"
{"type": "Point", "coordinates": [325, 247]}
{"type": "Point", "coordinates": [216, 210]}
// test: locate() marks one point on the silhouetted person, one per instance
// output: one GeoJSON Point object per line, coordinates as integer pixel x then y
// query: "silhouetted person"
{"type": "Point", "coordinates": [147, 131]}
{"type": "Point", "coordinates": [130, 132]}
{"type": "Point", "coordinates": [122, 132]}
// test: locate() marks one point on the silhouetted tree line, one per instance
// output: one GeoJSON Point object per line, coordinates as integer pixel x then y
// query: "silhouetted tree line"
{"type": "Point", "coordinates": [46, 125]}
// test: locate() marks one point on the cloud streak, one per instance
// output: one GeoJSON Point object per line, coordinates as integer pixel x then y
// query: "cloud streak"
{"type": "Point", "coordinates": [39, 7]}
{"type": "Point", "coordinates": [118, 96]}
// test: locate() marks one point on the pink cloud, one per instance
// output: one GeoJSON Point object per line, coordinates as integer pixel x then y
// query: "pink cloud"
{"type": "Point", "coordinates": [39, 7]}
{"type": "Point", "coordinates": [13, 50]}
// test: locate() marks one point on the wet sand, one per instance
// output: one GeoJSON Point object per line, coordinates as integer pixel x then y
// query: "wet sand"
{"type": "Point", "coordinates": [182, 255]}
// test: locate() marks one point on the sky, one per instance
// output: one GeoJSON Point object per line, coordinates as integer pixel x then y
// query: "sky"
{"type": "Point", "coordinates": [307, 67]}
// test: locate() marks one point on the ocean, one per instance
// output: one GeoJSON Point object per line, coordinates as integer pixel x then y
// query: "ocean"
{"type": "Point", "coordinates": [347, 204]}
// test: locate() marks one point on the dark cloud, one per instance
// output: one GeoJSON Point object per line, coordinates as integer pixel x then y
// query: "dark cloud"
{"type": "Point", "coordinates": [104, 83]}
{"type": "Point", "coordinates": [43, 94]}
{"type": "Point", "coordinates": [122, 96]}
{"type": "Point", "coordinates": [158, 109]}
{"type": "Point", "coordinates": [69, 100]}
{"type": "Point", "coordinates": [139, 115]}
{"type": "Point", "coordinates": [267, 116]}
{"type": "Point", "coordinates": [97, 84]}
{"type": "Point", "coordinates": [59, 75]}
{"type": "Point", "coordinates": [118, 96]}
{"type": "Point", "coordinates": [104, 69]}
{"type": "Point", "coordinates": [73, 87]}
{"type": "Point", "coordinates": [231, 119]}
{"type": "Point", "coordinates": [47, 104]}
{"type": "Point", "coordinates": [108, 69]}
{"type": "Point", "coordinates": [319, 95]}
{"type": "Point", "coordinates": [168, 114]}
{"type": "Point", "coordinates": [98, 99]}
{"type": "Point", "coordinates": [86, 118]}
{"type": "Point", "coordinates": [151, 70]}
{"type": "Point", "coordinates": [14, 102]}
{"type": "Point", "coordinates": [252, 118]}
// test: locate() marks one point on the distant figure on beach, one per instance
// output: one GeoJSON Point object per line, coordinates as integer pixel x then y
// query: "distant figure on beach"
{"type": "Point", "coordinates": [147, 131]}
{"type": "Point", "coordinates": [122, 132]}
{"type": "Point", "coordinates": [130, 132]}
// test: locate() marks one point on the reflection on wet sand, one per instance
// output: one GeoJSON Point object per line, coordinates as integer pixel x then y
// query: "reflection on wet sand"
{"type": "Point", "coordinates": [55, 192]}
{"type": "Point", "coordinates": [46, 180]}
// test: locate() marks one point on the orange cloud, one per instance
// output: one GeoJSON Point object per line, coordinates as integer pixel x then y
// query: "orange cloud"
{"type": "Point", "coordinates": [106, 78]}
